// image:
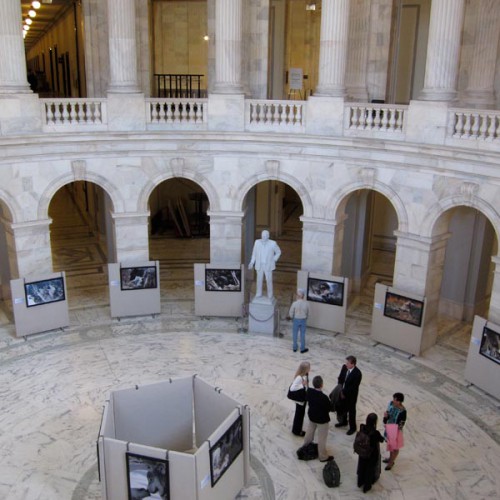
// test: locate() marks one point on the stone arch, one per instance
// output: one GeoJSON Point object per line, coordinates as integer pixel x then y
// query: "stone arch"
{"type": "Point", "coordinates": [340, 198]}
{"type": "Point", "coordinates": [301, 190]}
{"type": "Point", "coordinates": [450, 202]}
{"type": "Point", "coordinates": [108, 187]}
{"type": "Point", "coordinates": [192, 175]}
{"type": "Point", "coordinates": [12, 205]}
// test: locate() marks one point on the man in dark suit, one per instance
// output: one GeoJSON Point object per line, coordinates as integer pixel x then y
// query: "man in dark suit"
{"type": "Point", "coordinates": [350, 378]}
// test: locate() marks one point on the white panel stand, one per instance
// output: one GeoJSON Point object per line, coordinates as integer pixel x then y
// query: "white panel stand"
{"type": "Point", "coordinates": [479, 370]}
{"type": "Point", "coordinates": [42, 317]}
{"type": "Point", "coordinates": [391, 332]}
{"type": "Point", "coordinates": [325, 316]}
{"type": "Point", "coordinates": [263, 316]}
{"type": "Point", "coordinates": [217, 303]}
{"type": "Point", "coordinates": [139, 302]}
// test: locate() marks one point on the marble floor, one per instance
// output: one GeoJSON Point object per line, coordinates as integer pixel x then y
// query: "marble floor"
{"type": "Point", "coordinates": [53, 386]}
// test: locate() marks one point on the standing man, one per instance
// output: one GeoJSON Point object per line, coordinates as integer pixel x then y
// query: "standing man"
{"type": "Point", "coordinates": [299, 311]}
{"type": "Point", "coordinates": [265, 254]}
{"type": "Point", "coordinates": [350, 378]}
{"type": "Point", "coordinates": [319, 417]}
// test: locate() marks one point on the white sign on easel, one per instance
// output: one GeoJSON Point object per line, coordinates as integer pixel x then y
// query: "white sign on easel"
{"type": "Point", "coordinates": [296, 78]}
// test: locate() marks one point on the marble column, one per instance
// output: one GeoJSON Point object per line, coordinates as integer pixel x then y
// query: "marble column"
{"type": "Point", "coordinates": [228, 47]}
{"type": "Point", "coordinates": [419, 269]}
{"type": "Point", "coordinates": [131, 236]}
{"type": "Point", "coordinates": [494, 310]}
{"type": "Point", "coordinates": [443, 51]}
{"type": "Point", "coordinates": [480, 91]}
{"type": "Point", "coordinates": [31, 241]}
{"type": "Point", "coordinates": [333, 48]}
{"type": "Point", "coordinates": [317, 244]}
{"type": "Point", "coordinates": [122, 47]}
{"type": "Point", "coordinates": [357, 61]}
{"type": "Point", "coordinates": [225, 238]}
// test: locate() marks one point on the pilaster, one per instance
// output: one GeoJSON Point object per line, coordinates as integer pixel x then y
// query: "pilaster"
{"type": "Point", "coordinates": [318, 239]}
{"type": "Point", "coordinates": [225, 238]}
{"type": "Point", "coordinates": [131, 236]}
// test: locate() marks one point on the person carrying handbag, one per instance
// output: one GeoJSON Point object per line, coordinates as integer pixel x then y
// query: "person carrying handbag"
{"type": "Point", "coordinates": [297, 393]}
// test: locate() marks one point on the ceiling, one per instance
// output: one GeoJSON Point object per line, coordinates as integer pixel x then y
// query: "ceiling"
{"type": "Point", "coordinates": [46, 15]}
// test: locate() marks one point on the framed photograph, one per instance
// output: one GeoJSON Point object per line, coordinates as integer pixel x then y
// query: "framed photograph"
{"type": "Point", "coordinates": [490, 345]}
{"type": "Point", "coordinates": [147, 478]}
{"type": "Point", "coordinates": [403, 309]}
{"type": "Point", "coordinates": [44, 291]}
{"type": "Point", "coordinates": [138, 278]}
{"type": "Point", "coordinates": [326, 292]}
{"type": "Point", "coordinates": [224, 452]}
{"type": "Point", "coordinates": [223, 280]}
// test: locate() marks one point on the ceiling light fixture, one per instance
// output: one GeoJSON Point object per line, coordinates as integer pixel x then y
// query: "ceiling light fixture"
{"type": "Point", "coordinates": [36, 5]}
{"type": "Point", "coordinates": [28, 21]}
{"type": "Point", "coordinates": [311, 6]}
{"type": "Point", "coordinates": [32, 13]}
{"type": "Point", "coordinates": [26, 27]}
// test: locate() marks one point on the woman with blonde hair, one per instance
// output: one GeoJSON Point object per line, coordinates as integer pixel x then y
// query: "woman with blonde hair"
{"type": "Point", "coordinates": [297, 393]}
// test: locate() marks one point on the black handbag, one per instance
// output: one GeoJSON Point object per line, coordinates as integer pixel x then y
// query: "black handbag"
{"type": "Point", "coordinates": [298, 396]}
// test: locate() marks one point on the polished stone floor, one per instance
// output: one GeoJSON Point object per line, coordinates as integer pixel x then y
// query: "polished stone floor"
{"type": "Point", "coordinates": [53, 385]}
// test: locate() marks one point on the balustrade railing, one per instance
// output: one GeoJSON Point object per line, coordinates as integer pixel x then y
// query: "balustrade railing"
{"type": "Point", "coordinates": [71, 112]}
{"type": "Point", "coordinates": [375, 117]}
{"type": "Point", "coordinates": [179, 86]}
{"type": "Point", "coordinates": [275, 115]}
{"type": "Point", "coordinates": [176, 111]}
{"type": "Point", "coordinates": [474, 124]}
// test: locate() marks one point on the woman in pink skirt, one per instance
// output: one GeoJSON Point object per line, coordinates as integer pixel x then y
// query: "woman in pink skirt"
{"type": "Point", "coordinates": [394, 420]}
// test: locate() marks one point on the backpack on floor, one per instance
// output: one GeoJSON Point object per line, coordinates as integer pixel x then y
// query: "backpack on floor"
{"type": "Point", "coordinates": [362, 445]}
{"type": "Point", "coordinates": [308, 452]}
{"type": "Point", "coordinates": [331, 474]}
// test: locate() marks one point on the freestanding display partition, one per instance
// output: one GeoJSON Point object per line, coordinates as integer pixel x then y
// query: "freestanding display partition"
{"type": "Point", "coordinates": [327, 299]}
{"type": "Point", "coordinates": [398, 319]}
{"type": "Point", "coordinates": [219, 291]}
{"type": "Point", "coordinates": [134, 288]}
{"type": "Point", "coordinates": [483, 360]}
{"type": "Point", "coordinates": [40, 303]}
{"type": "Point", "coordinates": [182, 438]}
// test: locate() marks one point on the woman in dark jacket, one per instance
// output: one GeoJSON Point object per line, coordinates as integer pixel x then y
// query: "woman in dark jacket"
{"type": "Point", "coordinates": [369, 467]}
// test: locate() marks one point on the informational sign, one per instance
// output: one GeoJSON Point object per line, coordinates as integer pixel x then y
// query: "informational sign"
{"type": "Point", "coordinates": [296, 78]}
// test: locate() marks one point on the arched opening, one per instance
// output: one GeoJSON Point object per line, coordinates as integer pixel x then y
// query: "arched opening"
{"type": "Point", "coordinates": [81, 235]}
{"type": "Point", "coordinates": [467, 272]}
{"type": "Point", "coordinates": [8, 262]}
{"type": "Point", "coordinates": [369, 244]}
{"type": "Point", "coordinates": [179, 231]}
{"type": "Point", "coordinates": [277, 207]}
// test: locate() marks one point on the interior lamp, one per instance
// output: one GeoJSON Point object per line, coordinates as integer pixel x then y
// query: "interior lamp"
{"type": "Point", "coordinates": [311, 6]}
{"type": "Point", "coordinates": [36, 5]}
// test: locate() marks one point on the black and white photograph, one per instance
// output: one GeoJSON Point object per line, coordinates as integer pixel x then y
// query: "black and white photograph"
{"type": "Point", "coordinates": [147, 478]}
{"type": "Point", "coordinates": [490, 344]}
{"type": "Point", "coordinates": [44, 292]}
{"type": "Point", "coordinates": [326, 292]}
{"type": "Point", "coordinates": [403, 309]}
{"type": "Point", "coordinates": [138, 278]}
{"type": "Point", "coordinates": [224, 452]}
{"type": "Point", "coordinates": [223, 280]}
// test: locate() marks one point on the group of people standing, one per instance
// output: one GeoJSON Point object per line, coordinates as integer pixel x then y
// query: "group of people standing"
{"type": "Point", "coordinates": [342, 400]}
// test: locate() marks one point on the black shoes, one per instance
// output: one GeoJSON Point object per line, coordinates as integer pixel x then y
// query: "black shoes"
{"type": "Point", "coordinates": [329, 459]}
{"type": "Point", "coordinates": [366, 488]}
{"type": "Point", "coordinates": [350, 432]}
{"type": "Point", "coordinates": [300, 434]}
{"type": "Point", "coordinates": [295, 350]}
{"type": "Point", "coordinates": [305, 350]}
{"type": "Point", "coordinates": [386, 460]}
{"type": "Point", "coordinates": [389, 466]}
{"type": "Point", "coordinates": [341, 424]}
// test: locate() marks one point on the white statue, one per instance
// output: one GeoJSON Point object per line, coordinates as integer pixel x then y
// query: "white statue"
{"type": "Point", "coordinates": [265, 254]}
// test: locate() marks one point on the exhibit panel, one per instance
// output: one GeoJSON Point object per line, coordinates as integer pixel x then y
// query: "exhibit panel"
{"type": "Point", "coordinates": [219, 291]}
{"type": "Point", "coordinates": [483, 359]}
{"type": "Point", "coordinates": [327, 299]}
{"type": "Point", "coordinates": [40, 303]}
{"type": "Point", "coordinates": [397, 319]}
{"type": "Point", "coordinates": [217, 469]}
{"type": "Point", "coordinates": [134, 288]}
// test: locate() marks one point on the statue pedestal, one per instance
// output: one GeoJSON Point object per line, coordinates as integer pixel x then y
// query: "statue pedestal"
{"type": "Point", "coordinates": [263, 315]}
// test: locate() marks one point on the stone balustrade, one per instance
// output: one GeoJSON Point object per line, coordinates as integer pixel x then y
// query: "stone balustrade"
{"type": "Point", "coordinates": [388, 121]}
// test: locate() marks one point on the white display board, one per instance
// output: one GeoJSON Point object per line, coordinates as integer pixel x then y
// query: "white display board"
{"type": "Point", "coordinates": [219, 291]}
{"type": "Point", "coordinates": [40, 303]}
{"type": "Point", "coordinates": [134, 288]}
{"type": "Point", "coordinates": [482, 367]}
{"type": "Point", "coordinates": [217, 467]}
{"type": "Point", "coordinates": [327, 309]}
{"type": "Point", "coordinates": [296, 78]}
{"type": "Point", "coordinates": [398, 319]}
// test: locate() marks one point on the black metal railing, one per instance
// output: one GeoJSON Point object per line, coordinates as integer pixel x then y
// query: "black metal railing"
{"type": "Point", "coordinates": [179, 86]}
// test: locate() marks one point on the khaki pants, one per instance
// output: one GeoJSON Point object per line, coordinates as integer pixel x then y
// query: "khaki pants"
{"type": "Point", "coordinates": [322, 435]}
